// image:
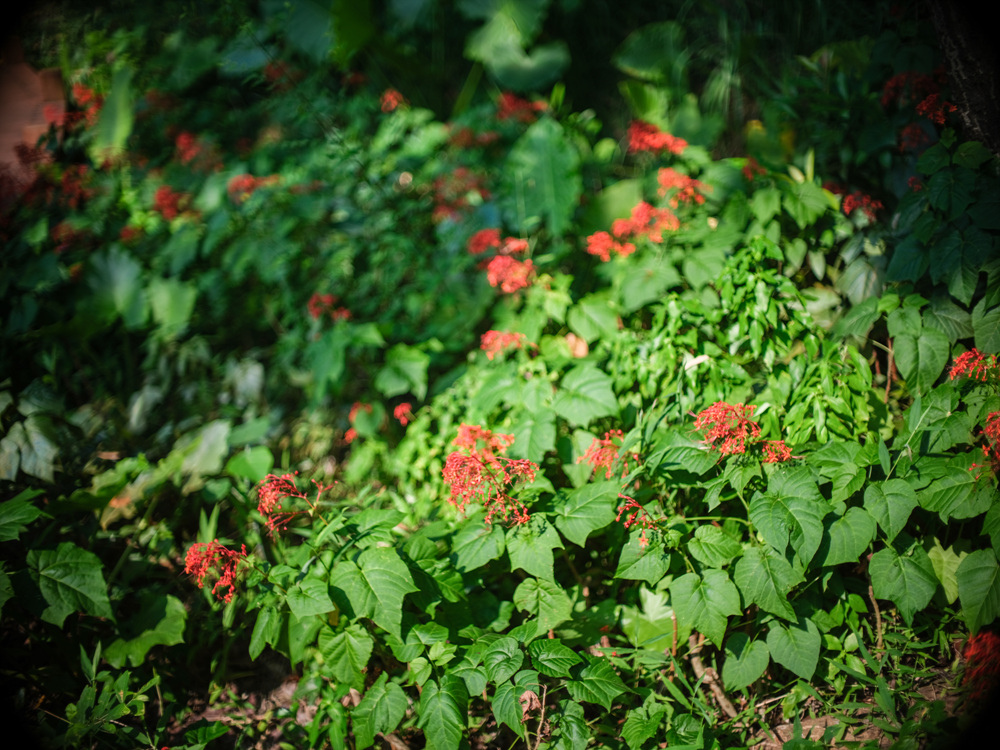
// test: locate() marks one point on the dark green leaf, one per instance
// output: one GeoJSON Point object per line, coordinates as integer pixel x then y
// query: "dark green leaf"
{"type": "Point", "coordinates": [791, 512]}
{"type": "Point", "coordinates": [586, 509]}
{"type": "Point", "coordinates": [847, 537]}
{"type": "Point", "coordinates": [705, 602]}
{"type": "Point", "coordinates": [442, 713]}
{"type": "Point", "coordinates": [71, 580]}
{"type": "Point", "coordinates": [745, 662]}
{"type": "Point", "coordinates": [795, 647]}
{"type": "Point", "coordinates": [596, 683]}
{"type": "Point", "coordinates": [907, 580]}
{"type": "Point", "coordinates": [979, 589]}
{"type": "Point", "coordinates": [379, 712]}
{"type": "Point", "coordinates": [765, 578]}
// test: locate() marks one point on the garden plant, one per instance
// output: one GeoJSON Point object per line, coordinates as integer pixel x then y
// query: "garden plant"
{"type": "Point", "coordinates": [394, 375]}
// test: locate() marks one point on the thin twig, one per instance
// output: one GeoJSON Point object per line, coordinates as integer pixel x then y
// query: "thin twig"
{"type": "Point", "coordinates": [541, 718]}
{"type": "Point", "coordinates": [878, 615]}
{"type": "Point", "coordinates": [710, 678]}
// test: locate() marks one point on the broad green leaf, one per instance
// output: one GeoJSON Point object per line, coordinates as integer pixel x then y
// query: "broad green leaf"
{"type": "Point", "coordinates": [839, 461]}
{"type": "Point", "coordinates": [979, 589]}
{"type": "Point", "coordinates": [585, 394]}
{"type": "Point", "coordinates": [375, 586]}
{"type": "Point", "coordinates": [586, 509]}
{"type": "Point", "coordinates": [705, 602]}
{"type": "Point", "coordinates": [791, 512]}
{"type": "Point", "coordinates": [346, 653]}
{"type": "Point", "coordinates": [991, 527]}
{"type": "Point", "coordinates": [713, 547]}
{"type": "Point", "coordinates": [502, 659]}
{"type": "Point", "coordinates": [946, 563]}
{"type": "Point", "coordinates": [847, 537]}
{"type": "Point", "coordinates": [310, 596]}
{"type": "Point", "coordinates": [544, 600]}
{"type": "Point", "coordinates": [17, 513]}
{"type": "Point", "coordinates": [986, 325]}
{"type": "Point", "coordinates": [653, 626]}
{"type": "Point", "coordinates": [639, 563]}
{"type": "Point", "coordinates": [922, 360]}
{"type": "Point", "coordinates": [655, 52]}
{"type": "Point", "coordinates": [534, 435]}
{"type": "Point", "coordinates": [647, 280]}
{"type": "Point", "coordinates": [596, 683]}
{"type": "Point", "coordinates": [477, 543]}
{"type": "Point", "coordinates": [643, 722]}
{"type": "Point", "coordinates": [550, 657]}
{"type": "Point", "coordinates": [159, 621]}
{"type": "Point", "coordinates": [745, 662]}
{"type": "Point", "coordinates": [907, 580]}
{"type": "Point", "coordinates": [804, 201]}
{"type": "Point", "coordinates": [405, 371]}
{"type": "Point", "coordinates": [530, 547]}
{"type": "Point", "coordinates": [30, 446]}
{"type": "Point", "coordinates": [114, 123]}
{"type": "Point", "coordinates": [251, 463]}
{"type": "Point", "coordinates": [172, 302]}
{"type": "Point", "coordinates": [542, 173]}
{"type": "Point", "coordinates": [592, 317]}
{"type": "Point", "coordinates": [957, 494]}
{"type": "Point", "coordinates": [442, 713]}
{"type": "Point", "coordinates": [379, 712]}
{"type": "Point", "coordinates": [765, 578]}
{"type": "Point", "coordinates": [890, 504]}
{"type": "Point", "coordinates": [675, 452]}
{"type": "Point", "coordinates": [506, 704]}
{"type": "Point", "coordinates": [266, 630]}
{"type": "Point", "coordinates": [72, 580]}
{"type": "Point", "coordinates": [116, 282]}
{"type": "Point", "coordinates": [574, 734]}
{"type": "Point", "coordinates": [795, 647]}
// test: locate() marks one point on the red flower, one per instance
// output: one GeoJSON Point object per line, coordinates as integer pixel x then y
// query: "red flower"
{"type": "Point", "coordinates": [602, 244]}
{"type": "Point", "coordinates": [633, 511]}
{"type": "Point", "coordinates": [935, 109]}
{"type": "Point", "coordinates": [775, 451]}
{"type": "Point", "coordinates": [982, 671]}
{"type": "Point", "coordinates": [752, 168]}
{"type": "Point", "coordinates": [403, 413]}
{"type": "Point", "coordinates": [509, 274]}
{"type": "Point", "coordinates": [480, 441]}
{"type": "Point", "coordinates": [866, 203]}
{"type": "Point", "coordinates": [242, 186]}
{"type": "Point", "coordinates": [512, 107]}
{"type": "Point", "coordinates": [915, 184]}
{"type": "Point", "coordinates": [212, 557]}
{"type": "Point", "coordinates": [687, 187]}
{"type": "Point", "coordinates": [645, 221]}
{"type": "Point", "coordinates": [644, 136]}
{"type": "Point", "coordinates": [913, 137]}
{"type": "Point", "coordinates": [603, 454]}
{"type": "Point", "coordinates": [275, 490]}
{"type": "Point", "coordinates": [973, 364]}
{"type": "Point", "coordinates": [167, 202]}
{"type": "Point", "coordinates": [727, 427]}
{"type": "Point", "coordinates": [483, 240]}
{"type": "Point", "coordinates": [391, 99]}
{"type": "Point", "coordinates": [495, 342]}
{"type": "Point", "coordinates": [320, 304]}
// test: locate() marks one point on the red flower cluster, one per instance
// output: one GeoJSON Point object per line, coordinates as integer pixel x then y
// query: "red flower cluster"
{"type": "Point", "coordinates": [483, 475]}
{"type": "Point", "coordinates": [352, 434]}
{"type": "Point", "coordinates": [727, 427]}
{"type": "Point", "coordinates": [909, 86]}
{"type": "Point", "coordinates": [689, 190]}
{"type": "Point", "coordinates": [512, 107]}
{"type": "Point", "coordinates": [752, 169]}
{"type": "Point", "coordinates": [934, 108]}
{"type": "Point", "coordinates": [168, 203]}
{"type": "Point", "coordinates": [508, 273]}
{"type": "Point", "coordinates": [603, 453]}
{"type": "Point", "coordinates": [866, 203]}
{"type": "Point", "coordinates": [74, 185]}
{"type": "Point", "coordinates": [483, 240]}
{"type": "Point", "coordinates": [632, 512]}
{"type": "Point", "coordinates": [212, 557]}
{"type": "Point", "coordinates": [90, 101]}
{"type": "Point", "coordinates": [495, 342]}
{"type": "Point", "coordinates": [974, 364]}
{"type": "Point", "coordinates": [452, 191]}
{"type": "Point", "coordinates": [775, 452]}
{"type": "Point", "coordinates": [644, 136]}
{"type": "Point", "coordinates": [242, 186]}
{"type": "Point", "coordinates": [982, 670]}
{"type": "Point", "coordinates": [645, 221]}
{"type": "Point", "coordinates": [913, 137]}
{"type": "Point", "coordinates": [324, 304]}
{"type": "Point", "coordinates": [602, 244]}
{"type": "Point", "coordinates": [273, 491]}
{"type": "Point", "coordinates": [65, 236]}
{"type": "Point", "coordinates": [390, 100]}
{"type": "Point", "coordinates": [466, 138]}
{"type": "Point", "coordinates": [403, 413]}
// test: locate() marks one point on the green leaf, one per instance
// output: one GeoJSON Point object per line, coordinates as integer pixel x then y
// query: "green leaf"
{"type": "Point", "coordinates": [596, 683]}
{"type": "Point", "coordinates": [643, 722]}
{"type": "Point", "coordinates": [890, 504]}
{"type": "Point", "coordinates": [116, 282]}
{"type": "Point", "coordinates": [946, 563]}
{"type": "Point", "coordinates": [542, 176]}
{"type": "Point", "coordinates": [544, 600]}
{"type": "Point", "coordinates": [805, 202]}
{"type": "Point", "coordinates": [573, 732]}
{"type": "Point", "coordinates": [713, 547]}
{"type": "Point", "coordinates": [986, 325]}
{"type": "Point", "coordinates": [375, 586]}
{"type": "Point", "coordinates": [795, 647]}
{"type": "Point", "coordinates": [72, 580]}
{"type": "Point", "coordinates": [922, 360]}
{"type": "Point", "coordinates": [442, 713]}
{"type": "Point", "coordinates": [676, 452]}
{"type": "Point", "coordinates": [979, 589]}
{"type": "Point", "coordinates": [477, 543]}
{"type": "Point", "coordinates": [907, 580]}
{"type": "Point", "coordinates": [310, 596]}
{"type": "Point", "coordinates": [346, 653]}
{"type": "Point", "coordinates": [847, 537]}
{"type": "Point", "coordinates": [17, 513]}
{"type": "Point", "coordinates": [550, 657]}
{"type": "Point", "coordinates": [639, 563]}
{"type": "Point", "coordinates": [957, 494]}
{"type": "Point", "coordinates": [745, 662]}
{"type": "Point", "coordinates": [791, 512]}
{"type": "Point", "coordinates": [405, 371]}
{"type": "Point", "coordinates": [172, 302]}
{"type": "Point", "coordinates": [159, 621]}
{"type": "Point", "coordinates": [765, 578]}
{"type": "Point", "coordinates": [646, 280]}
{"type": "Point", "coordinates": [114, 123]}
{"type": "Point", "coordinates": [592, 318]}
{"type": "Point", "coordinates": [379, 712]}
{"type": "Point", "coordinates": [655, 52]}
{"type": "Point", "coordinates": [586, 509]}
{"type": "Point", "coordinates": [585, 394]}
{"type": "Point", "coordinates": [534, 435]}
{"type": "Point", "coordinates": [502, 659]}
{"type": "Point", "coordinates": [266, 631]}
{"type": "Point", "coordinates": [530, 547]}
{"type": "Point", "coordinates": [251, 463]}
{"type": "Point", "coordinates": [705, 602]}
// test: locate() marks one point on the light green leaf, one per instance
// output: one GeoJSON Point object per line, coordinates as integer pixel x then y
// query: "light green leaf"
{"type": "Point", "coordinates": [847, 537]}
{"type": "Point", "coordinates": [477, 543]}
{"type": "Point", "coordinates": [346, 653]}
{"type": "Point", "coordinates": [544, 600]}
{"type": "Point", "coordinates": [596, 683]}
{"type": "Point", "coordinates": [907, 580]}
{"type": "Point", "coordinates": [705, 602]}
{"type": "Point", "coordinates": [713, 547]}
{"type": "Point", "coordinates": [534, 435]}
{"type": "Point", "coordinates": [946, 563]}
{"type": "Point", "coordinates": [172, 302]}
{"type": "Point", "coordinates": [116, 282]}
{"type": "Point", "coordinates": [379, 712]}
{"type": "Point", "coordinates": [592, 317]}
{"type": "Point", "coordinates": [791, 512]}
{"type": "Point", "coordinates": [72, 580]}
{"type": "Point", "coordinates": [251, 463]}
{"type": "Point", "coordinates": [795, 647]}
{"type": "Point", "coordinates": [375, 586]}
{"type": "Point", "coordinates": [890, 504]}
{"type": "Point", "coordinates": [405, 371]}
{"type": "Point", "coordinates": [586, 509]}
{"type": "Point", "coordinates": [550, 657]}
{"type": "Point", "coordinates": [979, 589]}
{"type": "Point", "coordinates": [266, 630]}
{"type": "Point", "coordinates": [765, 578]}
{"type": "Point", "coordinates": [745, 662]}
{"type": "Point", "coordinates": [530, 547]}
{"type": "Point", "coordinates": [585, 394]}
{"type": "Point", "coordinates": [442, 713]}
{"type": "Point", "coordinates": [643, 722]}
{"type": "Point", "coordinates": [114, 122]}
{"type": "Point", "coordinates": [922, 360]}
{"type": "Point", "coordinates": [638, 563]}
{"type": "Point", "coordinates": [310, 596]}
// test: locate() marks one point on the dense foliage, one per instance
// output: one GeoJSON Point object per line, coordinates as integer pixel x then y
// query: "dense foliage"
{"type": "Point", "coordinates": [479, 422]}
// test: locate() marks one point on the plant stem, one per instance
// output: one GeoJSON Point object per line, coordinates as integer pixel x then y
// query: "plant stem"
{"type": "Point", "coordinates": [710, 678]}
